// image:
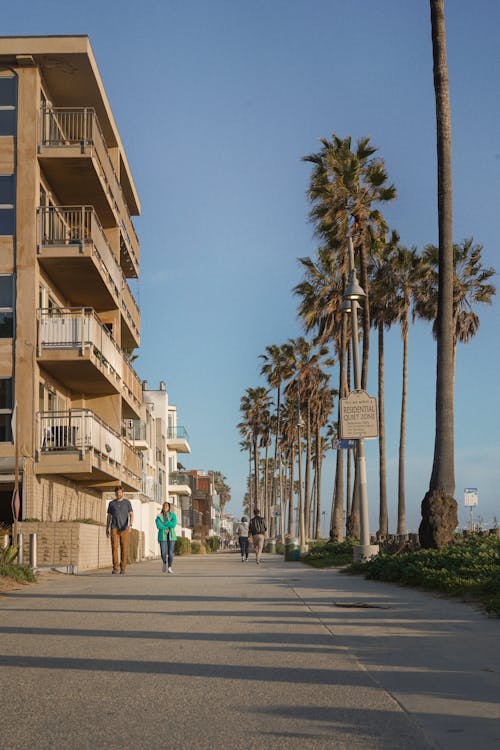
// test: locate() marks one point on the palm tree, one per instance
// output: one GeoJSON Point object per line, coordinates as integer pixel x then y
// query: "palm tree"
{"type": "Point", "coordinates": [277, 369]}
{"type": "Point", "coordinates": [345, 185]}
{"type": "Point", "coordinates": [322, 408]}
{"type": "Point", "coordinates": [307, 363]}
{"type": "Point", "coordinates": [382, 317]}
{"type": "Point", "coordinates": [403, 272]}
{"type": "Point", "coordinates": [320, 295]}
{"type": "Point", "coordinates": [439, 507]}
{"type": "Point", "coordinates": [254, 407]}
{"type": "Point", "coordinates": [470, 287]}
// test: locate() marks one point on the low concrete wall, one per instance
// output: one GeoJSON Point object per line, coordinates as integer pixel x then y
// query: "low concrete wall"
{"type": "Point", "coordinates": [69, 546]}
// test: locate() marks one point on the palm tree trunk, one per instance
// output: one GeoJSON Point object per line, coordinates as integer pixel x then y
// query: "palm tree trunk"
{"type": "Point", "coordinates": [439, 508]}
{"type": "Point", "coordinates": [267, 515]}
{"type": "Point", "coordinates": [256, 473]}
{"type": "Point", "coordinates": [402, 434]}
{"type": "Point", "coordinates": [291, 496]}
{"type": "Point", "coordinates": [302, 527]}
{"type": "Point", "coordinates": [307, 486]}
{"type": "Point", "coordinates": [337, 520]}
{"type": "Point", "coordinates": [383, 521]}
{"type": "Point", "coordinates": [319, 461]}
{"type": "Point", "coordinates": [277, 451]}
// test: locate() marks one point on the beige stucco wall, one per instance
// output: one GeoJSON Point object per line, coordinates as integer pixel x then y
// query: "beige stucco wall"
{"type": "Point", "coordinates": [75, 546]}
{"type": "Point", "coordinates": [48, 499]}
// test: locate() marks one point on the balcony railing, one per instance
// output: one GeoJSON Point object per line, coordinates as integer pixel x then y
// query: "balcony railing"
{"type": "Point", "coordinates": [176, 478]}
{"type": "Point", "coordinates": [61, 226]}
{"type": "Point", "coordinates": [177, 433]}
{"type": "Point", "coordinates": [78, 328]}
{"type": "Point", "coordinates": [67, 226]}
{"type": "Point", "coordinates": [82, 430]}
{"type": "Point", "coordinates": [81, 329]}
{"type": "Point", "coordinates": [80, 127]}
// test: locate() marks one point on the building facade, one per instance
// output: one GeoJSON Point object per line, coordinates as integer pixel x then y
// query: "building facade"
{"type": "Point", "coordinates": [68, 318]}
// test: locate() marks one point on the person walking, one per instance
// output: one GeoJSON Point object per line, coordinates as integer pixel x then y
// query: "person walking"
{"type": "Point", "coordinates": [257, 529]}
{"type": "Point", "coordinates": [242, 531]}
{"type": "Point", "coordinates": [119, 520]}
{"type": "Point", "coordinates": [166, 521]}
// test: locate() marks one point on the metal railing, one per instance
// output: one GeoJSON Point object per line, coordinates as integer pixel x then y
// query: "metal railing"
{"type": "Point", "coordinates": [177, 433]}
{"type": "Point", "coordinates": [79, 225]}
{"type": "Point", "coordinates": [60, 127]}
{"type": "Point", "coordinates": [61, 226]}
{"type": "Point", "coordinates": [82, 430]}
{"type": "Point", "coordinates": [80, 328]}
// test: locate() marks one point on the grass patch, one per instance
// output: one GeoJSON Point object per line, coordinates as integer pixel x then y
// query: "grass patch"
{"type": "Point", "coordinates": [329, 554]}
{"type": "Point", "coordinates": [22, 573]}
{"type": "Point", "coordinates": [470, 567]}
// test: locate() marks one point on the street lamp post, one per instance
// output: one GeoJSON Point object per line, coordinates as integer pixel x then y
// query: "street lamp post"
{"type": "Point", "coordinates": [352, 294]}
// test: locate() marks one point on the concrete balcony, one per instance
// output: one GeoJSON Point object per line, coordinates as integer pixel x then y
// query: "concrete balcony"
{"type": "Point", "coordinates": [179, 484]}
{"type": "Point", "coordinates": [74, 252]}
{"type": "Point", "coordinates": [78, 445]}
{"type": "Point", "coordinates": [178, 440]}
{"type": "Point", "coordinates": [75, 158]}
{"type": "Point", "coordinates": [79, 351]}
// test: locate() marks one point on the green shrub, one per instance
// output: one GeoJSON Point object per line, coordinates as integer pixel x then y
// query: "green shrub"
{"type": "Point", "coordinates": [11, 569]}
{"type": "Point", "coordinates": [470, 566]}
{"type": "Point", "coordinates": [280, 548]}
{"type": "Point", "coordinates": [328, 554]}
{"type": "Point", "coordinates": [212, 543]}
{"type": "Point", "coordinates": [182, 546]}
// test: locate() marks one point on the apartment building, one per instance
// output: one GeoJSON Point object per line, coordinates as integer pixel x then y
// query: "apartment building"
{"type": "Point", "coordinates": [173, 439]}
{"type": "Point", "coordinates": [68, 318]}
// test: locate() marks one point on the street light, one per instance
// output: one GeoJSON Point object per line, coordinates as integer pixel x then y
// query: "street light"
{"type": "Point", "coordinates": [353, 292]}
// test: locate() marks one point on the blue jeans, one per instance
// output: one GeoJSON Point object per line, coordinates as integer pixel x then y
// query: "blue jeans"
{"type": "Point", "coordinates": [167, 548]}
{"type": "Point", "coordinates": [243, 540]}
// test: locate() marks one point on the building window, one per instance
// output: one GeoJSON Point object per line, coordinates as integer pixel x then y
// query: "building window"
{"type": "Point", "coordinates": [8, 103]}
{"type": "Point", "coordinates": [6, 306]}
{"type": "Point", "coordinates": [6, 391]}
{"type": "Point", "coordinates": [7, 201]}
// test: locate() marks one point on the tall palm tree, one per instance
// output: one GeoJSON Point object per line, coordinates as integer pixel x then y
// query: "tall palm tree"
{"type": "Point", "coordinates": [345, 185]}
{"type": "Point", "coordinates": [403, 271]}
{"type": "Point", "coordinates": [307, 364]}
{"type": "Point", "coordinates": [277, 369]}
{"type": "Point", "coordinates": [322, 408]}
{"type": "Point", "coordinates": [383, 315]}
{"type": "Point", "coordinates": [254, 407]}
{"type": "Point", "coordinates": [320, 295]}
{"type": "Point", "coordinates": [439, 507]}
{"type": "Point", "coordinates": [470, 287]}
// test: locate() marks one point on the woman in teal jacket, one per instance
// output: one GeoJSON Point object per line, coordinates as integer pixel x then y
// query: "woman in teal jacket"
{"type": "Point", "coordinates": [166, 523]}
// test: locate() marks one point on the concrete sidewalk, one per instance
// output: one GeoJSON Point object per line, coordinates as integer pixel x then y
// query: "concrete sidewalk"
{"type": "Point", "coordinates": [229, 654]}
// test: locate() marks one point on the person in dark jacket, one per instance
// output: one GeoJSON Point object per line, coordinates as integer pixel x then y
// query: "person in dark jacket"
{"type": "Point", "coordinates": [257, 529]}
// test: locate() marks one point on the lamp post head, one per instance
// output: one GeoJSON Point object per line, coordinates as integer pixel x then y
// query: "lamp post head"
{"type": "Point", "coordinates": [348, 305]}
{"type": "Point", "coordinates": [353, 290]}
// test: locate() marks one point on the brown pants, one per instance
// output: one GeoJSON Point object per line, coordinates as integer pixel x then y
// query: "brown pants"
{"type": "Point", "coordinates": [119, 538]}
{"type": "Point", "coordinates": [258, 543]}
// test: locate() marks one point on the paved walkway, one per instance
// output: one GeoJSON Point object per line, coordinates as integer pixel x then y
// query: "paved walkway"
{"type": "Point", "coordinates": [225, 654]}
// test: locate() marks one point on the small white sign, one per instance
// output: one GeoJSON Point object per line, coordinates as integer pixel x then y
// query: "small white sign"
{"type": "Point", "coordinates": [470, 497]}
{"type": "Point", "coordinates": [358, 416]}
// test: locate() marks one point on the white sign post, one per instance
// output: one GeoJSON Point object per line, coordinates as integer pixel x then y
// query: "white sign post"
{"type": "Point", "coordinates": [470, 501]}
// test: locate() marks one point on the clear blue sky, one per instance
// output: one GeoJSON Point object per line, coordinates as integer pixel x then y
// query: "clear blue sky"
{"type": "Point", "coordinates": [216, 102]}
